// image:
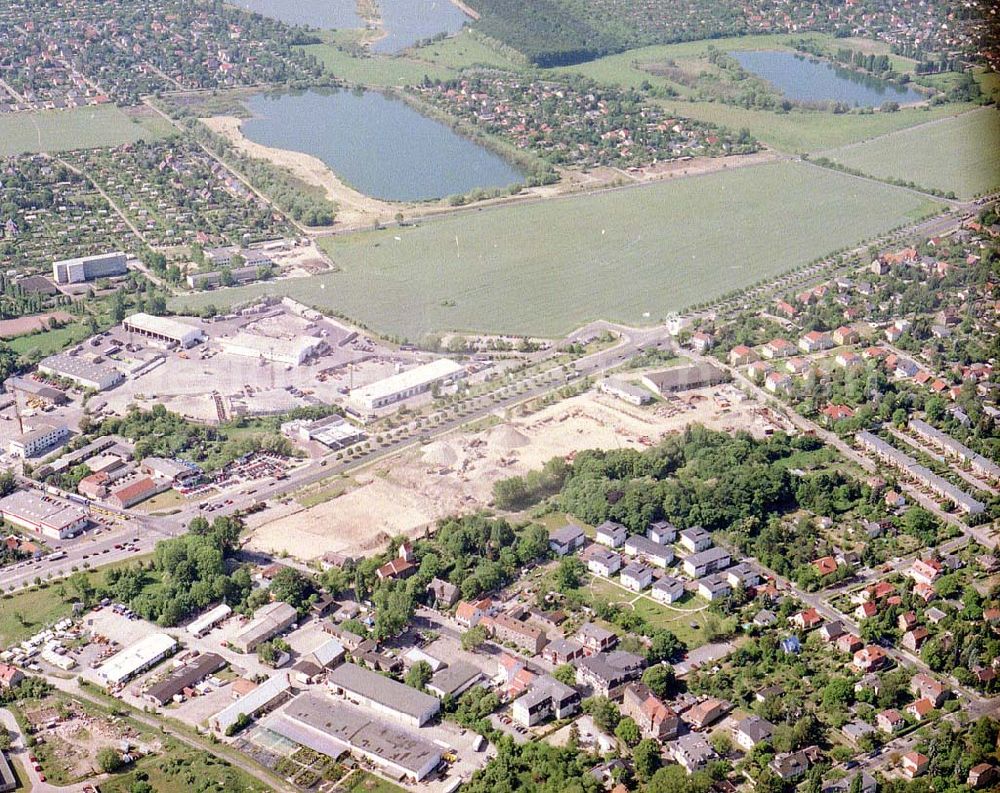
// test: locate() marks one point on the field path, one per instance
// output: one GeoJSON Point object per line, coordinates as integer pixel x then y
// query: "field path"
{"type": "Point", "coordinates": [954, 203]}
{"type": "Point", "coordinates": [926, 125]}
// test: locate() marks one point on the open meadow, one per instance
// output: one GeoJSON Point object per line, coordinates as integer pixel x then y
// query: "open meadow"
{"type": "Point", "coordinates": [632, 255]}
{"type": "Point", "coordinates": [80, 128]}
{"type": "Point", "coordinates": [960, 154]}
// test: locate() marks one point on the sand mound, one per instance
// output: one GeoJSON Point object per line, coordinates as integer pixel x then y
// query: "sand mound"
{"type": "Point", "coordinates": [505, 438]}
{"type": "Point", "coordinates": [440, 453]}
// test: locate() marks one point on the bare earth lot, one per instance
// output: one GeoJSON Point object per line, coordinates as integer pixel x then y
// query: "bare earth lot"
{"type": "Point", "coordinates": [456, 474]}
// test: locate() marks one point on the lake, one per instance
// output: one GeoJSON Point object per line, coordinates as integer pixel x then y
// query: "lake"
{"type": "Point", "coordinates": [323, 14]}
{"type": "Point", "coordinates": [379, 145]}
{"type": "Point", "coordinates": [406, 22]}
{"type": "Point", "coordinates": [803, 80]}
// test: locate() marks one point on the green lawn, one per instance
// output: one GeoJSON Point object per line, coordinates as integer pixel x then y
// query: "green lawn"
{"type": "Point", "coordinates": [633, 255]}
{"type": "Point", "coordinates": [376, 71]}
{"type": "Point", "coordinates": [30, 610]}
{"type": "Point", "coordinates": [804, 131]}
{"type": "Point", "coordinates": [49, 342]}
{"type": "Point", "coordinates": [466, 49]}
{"type": "Point", "coordinates": [363, 782]}
{"type": "Point", "coordinates": [961, 154]}
{"type": "Point", "coordinates": [80, 128]}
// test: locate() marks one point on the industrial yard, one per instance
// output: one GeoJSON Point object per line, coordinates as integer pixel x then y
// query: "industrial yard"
{"type": "Point", "coordinates": [456, 473]}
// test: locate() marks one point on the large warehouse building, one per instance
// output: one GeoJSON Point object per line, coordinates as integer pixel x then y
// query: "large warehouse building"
{"type": "Point", "coordinates": [43, 514]}
{"type": "Point", "coordinates": [269, 620]}
{"type": "Point", "coordinates": [329, 727]}
{"type": "Point", "coordinates": [163, 330]}
{"type": "Point", "coordinates": [81, 371]}
{"type": "Point", "coordinates": [386, 696]}
{"type": "Point", "coordinates": [404, 385]}
{"type": "Point", "coordinates": [144, 654]}
{"type": "Point", "coordinates": [293, 352]}
{"type": "Point", "coordinates": [89, 268]}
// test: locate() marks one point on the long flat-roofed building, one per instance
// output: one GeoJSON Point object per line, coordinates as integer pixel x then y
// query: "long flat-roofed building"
{"type": "Point", "coordinates": [384, 695]}
{"type": "Point", "coordinates": [334, 432]}
{"type": "Point", "coordinates": [184, 677]}
{"type": "Point", "coordinates": [981, 465]}
{"type": "Point", "coordinates": [164, 330]}
{"type": "Point", "coordinates": [44, 514]}
{"type": "Point", "coordinates": [268, 621]}
{"type": "Point", "coordinates": [404, 385]}
{"type": "Point", "coordinates": [271, 693]}
{"type": "Point", "coordinates": [89, 268]}
{"type": "Point", "coordinates": [136, 658]}
{"type": "Point", "coordinates": [293, 352]}
{"type": "Point", "coordinates": [685, 378]}
{"type": "Point", "coordinates": [209, 620]}
{"type": "Point", "coordinates": [81, 371]}
{"type": "Point", "coordinates": [325, 725]}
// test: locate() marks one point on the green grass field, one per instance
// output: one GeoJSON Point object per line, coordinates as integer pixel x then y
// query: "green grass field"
{"type": "Point", "coordinates": [49, 342]}
{"type": "Point", "coordinates": [633, 255]}
{"type": "Point", "coordinates": [80, 128]}
{"type": "Point", "coordinates": [961, 154]}
{"type": "Point", "coordinates": [805, 131]}
{"type": "Point", "coordinates": [466, 49]}
{"type": "Point", "coordinates": [376, 71]}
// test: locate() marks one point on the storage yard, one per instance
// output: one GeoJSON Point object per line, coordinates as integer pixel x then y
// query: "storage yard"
{"type": "Point", "coordinates": [456, 473]}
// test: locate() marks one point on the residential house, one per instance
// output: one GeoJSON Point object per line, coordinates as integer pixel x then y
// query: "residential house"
{"type": "Point", "coordinates": [696, 539]}
{"type": "Point", "coordinates": [790, 766]}
{"type": "Point", "coordinates": [870, 659]}
{"type": "Point", "coordinates": [753, 731]}
{"type": "Point", "coordinates": [443, 594]}
{"type": "Point", "coordinates": [845, 334]}
{"type": "Point", "coordinates": [605, 672]}
{"type": "Point", "coordinates": [923, 686]}
{"type": "Point", "coordinates": [777, 348]}
{"type": "Point", "coordinates": [692, 752]}
{"type": "Point", "coordinates": [527, 637]}
{"type": "Point", "coordinates": [778, 383]}
{"type": "Point", "coordinates": [815, 341]}
{"type": "Point", "coordinates": [741, 355]}
{"type": "Point", "coordinates": [925, 571]}
{"type": "Point", "coordinates": [832, 631]}
{"type": "Point", "coordinates": [742, 575]}
{"type": "Point", "coordinates": [920, 709]}
{"type": "Point", "coordinates": [914, 764]}
{"type": "Point", "coordinates": [562, 651]}
{"type": "Point", "coordinates": [914, 640]}
{"type": "Point", "coordinates": [890, 721]}
{"type": "Point", "coordinates": [636, 576]}
{"type": "Point", "coordinates": [567, 539]}
{"type": "Point", "coordinates": [545, 698]}
{"type": "Point", "coordinates": [662, 532]}
{"type": "Point", "coordinates": [649, 551]}
{"type": "Point", "coordinates": [601, 561]}
{"type": "Point", "coordinates": [10, 676]}
{"type": "Point", "coordinates": [611, 534]}
{"type": "Point", "coordinates": [468, 615]}
{"type": "Point", "coordinates": [981, 775]}
{"type": "Point", "coordinates": [706, 712]}
{"type": "Point", "coordinates": [714, 587]}
{"type": "Point", "coordinates": [654, 718]}
{"type": "Point", "coordinates": [595, 639]}
{"type": "Point", "coordinates": [668, 590]}
{"type": "Point", "coordinates": [711, 560]}
{"type": "Point", "coordinates": [807, 620]}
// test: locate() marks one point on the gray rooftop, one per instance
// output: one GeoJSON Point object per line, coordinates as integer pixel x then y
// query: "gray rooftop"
{"type": "Point", "coordinates": [355, 729]}
{"type": "Point", "coordinates": [382, 690]}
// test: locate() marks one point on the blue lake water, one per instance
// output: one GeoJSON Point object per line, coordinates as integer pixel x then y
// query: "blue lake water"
{"type": "Point", "coordinates": [379, 145]}
{"type": "Point", "coordinates": [408, 21]}
{"type": "Point", "coordinates": [323, 14]}
{"type": "Point", "coordinates": [803, 80]}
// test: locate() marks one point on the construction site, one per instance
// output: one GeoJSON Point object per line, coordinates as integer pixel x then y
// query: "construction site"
{"type": "Point", "coordinates": [455, 473]}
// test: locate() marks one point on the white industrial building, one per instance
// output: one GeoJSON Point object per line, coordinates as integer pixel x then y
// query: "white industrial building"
{"type": "Point", "coordinates": [404, 385]}
{"type": "Point", "coordinates": [43, 514]}
{"type": "Point", "coordinates": [274, 690]}
{"type": "Point", "coordinates": [166, 331]}
{"type": "Point", "coordinates": [269, 620]}
{"type": "Point", "coordinates": [89, 268]}
{"type": "Point", "coordinates": [209, 620]}
{"type": "Point", "coordinates": [384, 695]}
{"type": "Point", "coordinates": [81, 371]}
{"type": "Point", "coordinates": [144, 654]}
{"type": "Point", "coordinates": [332, 431]}
{"type": "Point", "coordinates": [293, 352]}
{"type": "Point", "coordinates": [40, 439]}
